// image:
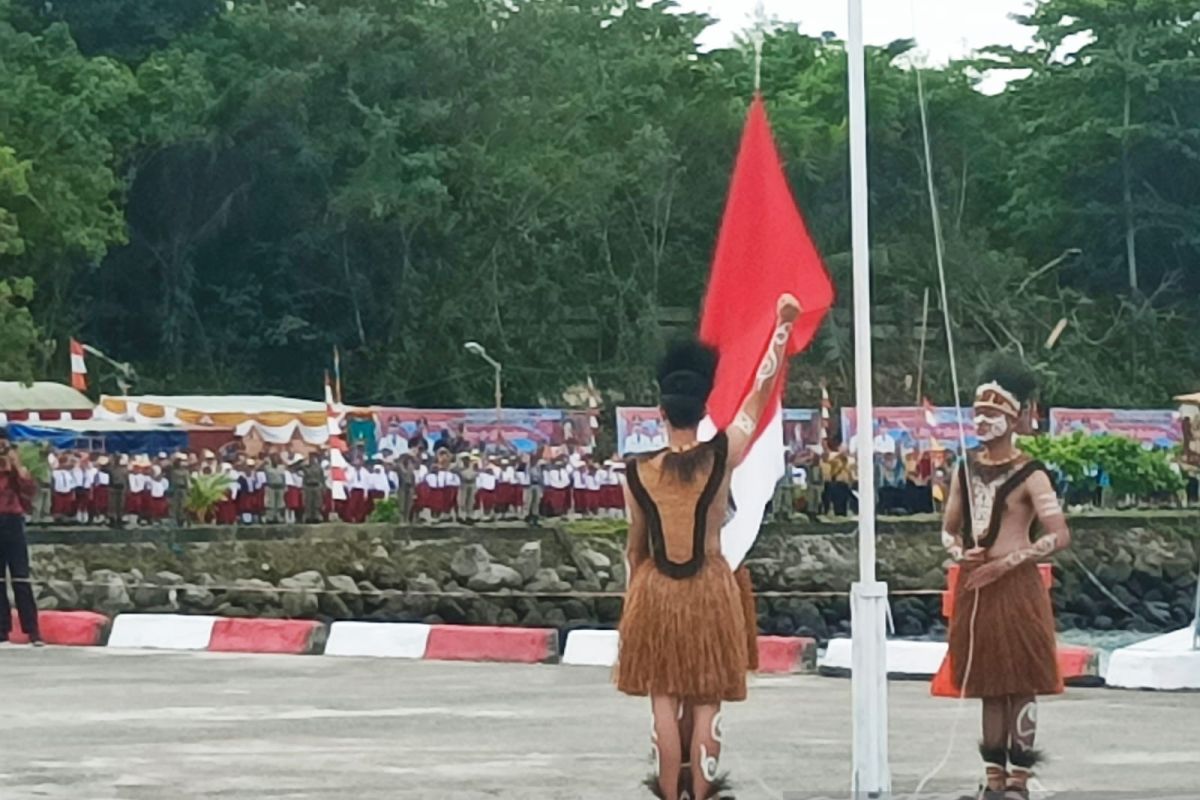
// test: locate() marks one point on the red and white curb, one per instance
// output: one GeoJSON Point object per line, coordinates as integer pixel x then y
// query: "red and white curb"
{"type": "Point", "coordinates": [776, 654]}
{"type": "Point", "coordinates": [922, 660]}
{"type": "Point", "coordinates": [65, 628]}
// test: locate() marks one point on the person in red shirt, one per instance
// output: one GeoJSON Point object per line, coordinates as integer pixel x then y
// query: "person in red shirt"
{"type": "Point", "coordinates": [16, 496]}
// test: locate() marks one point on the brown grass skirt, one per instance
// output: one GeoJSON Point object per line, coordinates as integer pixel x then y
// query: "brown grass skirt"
{"type": "Point", "coordinates": [1015, 651]}
{"type": "Point", "coordinates": [686, 637]}
{"type": "Point", "coordinates": [750, 612]}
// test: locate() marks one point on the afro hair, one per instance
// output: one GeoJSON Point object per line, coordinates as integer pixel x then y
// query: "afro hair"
{"type": "Point", "coordinates": [1011, 373]}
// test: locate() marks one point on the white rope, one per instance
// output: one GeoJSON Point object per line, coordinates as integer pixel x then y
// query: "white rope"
{"type": "Point", "coordinates": [965, 487]}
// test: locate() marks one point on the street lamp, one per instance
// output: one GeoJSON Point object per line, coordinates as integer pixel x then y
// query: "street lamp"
{"type": "Point", "coordinates": [475, 348]}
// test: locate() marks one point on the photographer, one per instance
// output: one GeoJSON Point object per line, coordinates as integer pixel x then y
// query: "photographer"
{"type": "Point", "coordinates": [16, 496]}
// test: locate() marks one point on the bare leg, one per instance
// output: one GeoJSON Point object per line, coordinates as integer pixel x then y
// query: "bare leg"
{"type": "Point", "coordinates": [687, 724]}
{"type": "Point", "coordinates": [995, 742]}
{"type": "Point", "coordinates": [667, 746]}
{"type": "Point", "coordinates": [1022, 728]}
{"type": "Point", "coordinates": [706, 748]}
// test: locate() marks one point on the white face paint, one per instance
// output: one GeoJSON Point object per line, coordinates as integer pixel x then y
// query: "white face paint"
{"type": "Point", "coordinates": [991, 428]}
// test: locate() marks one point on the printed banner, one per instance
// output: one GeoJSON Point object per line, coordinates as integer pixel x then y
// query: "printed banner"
{"type": "Point", "coordinates": [913, 428]}
{"type": "Point", "coordinates": [641, 429]}
{"type": "Point", "coordinates": [518, 430]}
{"type": "Point", "coordinates": [1152, 427]}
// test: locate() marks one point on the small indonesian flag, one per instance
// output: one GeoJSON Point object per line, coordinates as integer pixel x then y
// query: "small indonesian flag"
{"type": "Point", "coordinates": [332, 425]}
{"type": "Point", "coordinates": [763, 251]}
{"type": "Point", "coordinates": [826, 415]}
{"type": "Point", "coordinates": [78, 367]}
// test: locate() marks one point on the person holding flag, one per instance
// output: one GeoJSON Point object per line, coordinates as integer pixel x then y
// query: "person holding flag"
{"type": "Point", "coordinates": [684, 637]}
{"type": "Point", "coordinates": [688, 630]}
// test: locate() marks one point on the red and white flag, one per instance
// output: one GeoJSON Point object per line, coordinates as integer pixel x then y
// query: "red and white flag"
{"type": "Point", "coordinates": [826, 416]}
{"type": "Point", "coordinates": [763, 251]}
{"type": "Point", "coordinates": [337, 445]}
{"type": "Point", "coordinates": [78, 367]}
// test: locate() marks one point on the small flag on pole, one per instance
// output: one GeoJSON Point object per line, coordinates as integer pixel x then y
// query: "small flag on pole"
{"type": "Point", "coordinates": [337, 374]}
{"type": "Point", "coordinates": [826, 415]}
{"type": "Point", "coordinates": [78, 367]}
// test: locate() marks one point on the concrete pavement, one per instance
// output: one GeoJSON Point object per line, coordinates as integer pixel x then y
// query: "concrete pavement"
{"type": "Point", "coordinates": [100, 724]}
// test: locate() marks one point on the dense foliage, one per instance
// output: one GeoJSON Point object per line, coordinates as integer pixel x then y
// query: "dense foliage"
{"type": "Point", "coordinates": [218, 192]}
{"type": "Point", "coordinates": [1131, 468]}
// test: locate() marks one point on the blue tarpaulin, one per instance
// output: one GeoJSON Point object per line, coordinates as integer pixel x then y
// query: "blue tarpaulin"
{"type": "Point", "coordinates": [102, 436]}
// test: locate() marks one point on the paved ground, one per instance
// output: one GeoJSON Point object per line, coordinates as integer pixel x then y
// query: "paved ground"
{"type": "Point", "coordinates": [99, 725]}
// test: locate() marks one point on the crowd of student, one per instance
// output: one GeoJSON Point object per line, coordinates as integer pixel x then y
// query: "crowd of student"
{"type": "Point", "coordinates": [126, 490]}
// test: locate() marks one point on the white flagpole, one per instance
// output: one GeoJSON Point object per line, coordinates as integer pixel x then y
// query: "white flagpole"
{"type": "Point", "coordinates": [871, 777]}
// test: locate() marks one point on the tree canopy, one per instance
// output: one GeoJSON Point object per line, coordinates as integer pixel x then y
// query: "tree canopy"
{"type": "Point", "coordinates": [219, 192]}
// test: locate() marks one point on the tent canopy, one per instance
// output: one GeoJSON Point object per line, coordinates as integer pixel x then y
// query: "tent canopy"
{"type": "Point", "coordinates": [41, 396]}
{"type": "Point", "coordinates": [1189, 399]}
{"type": "Point", "coordinates": [276, 419]}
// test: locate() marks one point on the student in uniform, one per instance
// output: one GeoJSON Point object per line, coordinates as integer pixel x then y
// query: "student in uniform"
{"type": "Point", "coordinates": [157, 485]}
{"type": "Point", "coordinates": [62, 504]}
{"type": "Point", "coordinates": [485, 490]}
{"type": "Point", "coordinates": [100, 490]}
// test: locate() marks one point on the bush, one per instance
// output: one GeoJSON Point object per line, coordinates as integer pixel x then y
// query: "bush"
{"type": "Point", "coordinates": [1131, 468]}
{"type": "Point", "coordinates": [387, 510]}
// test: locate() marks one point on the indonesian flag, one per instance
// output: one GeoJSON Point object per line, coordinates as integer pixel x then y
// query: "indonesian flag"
{"type": "Point", "coordinates": [763, 251]}
{"type": "Point", "coordinates": [337, 445]}
{"type": "Point", "coordinates": [78, 367]}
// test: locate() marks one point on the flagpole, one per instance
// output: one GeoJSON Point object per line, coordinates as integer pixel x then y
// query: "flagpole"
{"type": "Point", "coordinates": [871, 777]}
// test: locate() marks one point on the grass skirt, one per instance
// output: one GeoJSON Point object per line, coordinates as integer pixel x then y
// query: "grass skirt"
{"type": "Point", "coordinates": [1015, 651]}
{"type": "Point", "coordinates": [688, 637]}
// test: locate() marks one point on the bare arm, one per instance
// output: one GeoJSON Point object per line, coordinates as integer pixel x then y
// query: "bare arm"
{"type": "Point", "coordinates": [766, 379]}
{"type": "Point", "coordinates": [637, 544]}
{"type": "Point", "coordinates": [952, 519]}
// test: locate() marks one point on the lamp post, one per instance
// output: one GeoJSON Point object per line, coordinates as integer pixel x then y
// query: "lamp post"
{"type": "Point", "coordinates": [475, 348]}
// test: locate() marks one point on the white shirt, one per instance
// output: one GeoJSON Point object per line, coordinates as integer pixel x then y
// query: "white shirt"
{"type": "Point", "coordinates": [486, 480]}
{"type": "Point", "coordinates": [89, 477]}
{"type": "Point", "coordinates": [394, 443]}
{"type": "Point", "coordinates": [102, 479]}
{"type": "Point", "coordinates": [420, 473]}
{"type": "Point", "coordinates": [509, 475]}
{"type": "Point", "coordinates": [79, 478]}
{"type": "Point", "coordinates": [63, 481]}
{"type": "Point", "coordinates": [158, 487]}
{"type": "Point", "coordinates": [579, 480]}
{"type": "Point", "coordinates": [591, 482]}
{"type": "Point", "coordinates": [393, 480]}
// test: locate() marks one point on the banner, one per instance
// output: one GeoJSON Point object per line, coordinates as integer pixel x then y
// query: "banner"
{"type": "Point", "coordinates": [519, 430]}
{"type": "Point", "coordinates": [1152, 427]}
{"type": "Point", "coordinates": [640, 429]}
{"type": "Point", "coordinates": [913, 428]}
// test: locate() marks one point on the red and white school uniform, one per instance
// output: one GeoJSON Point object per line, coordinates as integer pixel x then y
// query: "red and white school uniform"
{"type": "Point", "coordinates": [135, 497]}
{"type": "Point", "coordinates": [451, 481]}
{"type": "Point", "coordinates": [377, 488]}
{"type": "Point", "coordinates": [100, 495]}
{"type": "Point", "coordinates": [227, 506]}
{"type": "Point", "coordinates": [157, 506]}
{"type": "Point", "coordinates": [579, 495]}
{"type": "Point", "coordinates": [486, 489]}
{"type": "Point", "coordinates": [260, 492]}
{"type": "Point", "coordinates": [62, 502]}
{"type": "Point", "coordinates": [356, 498]}
{"type": "Point", "coordinates": [556, 498]}
{"type": "Point", "coordinates": [508, 491]}
{"type": "Point", "coordinates": [293, 493]}
{"type": "Point", "coordinates": [84, 477]}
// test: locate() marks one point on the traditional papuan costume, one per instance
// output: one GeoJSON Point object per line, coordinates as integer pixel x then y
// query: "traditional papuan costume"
{"type": "Point", "coordinates": [1001, 640]}
{"type": "Point", "coordinates": [688, 630]}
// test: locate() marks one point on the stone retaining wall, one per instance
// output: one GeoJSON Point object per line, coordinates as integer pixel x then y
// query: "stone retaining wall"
{"type": "Point", "coordinates": [1142, 574]}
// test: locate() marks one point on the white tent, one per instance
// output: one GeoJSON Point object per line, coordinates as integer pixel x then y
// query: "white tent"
{"type": "Point", "coordinates": [276, 420]}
